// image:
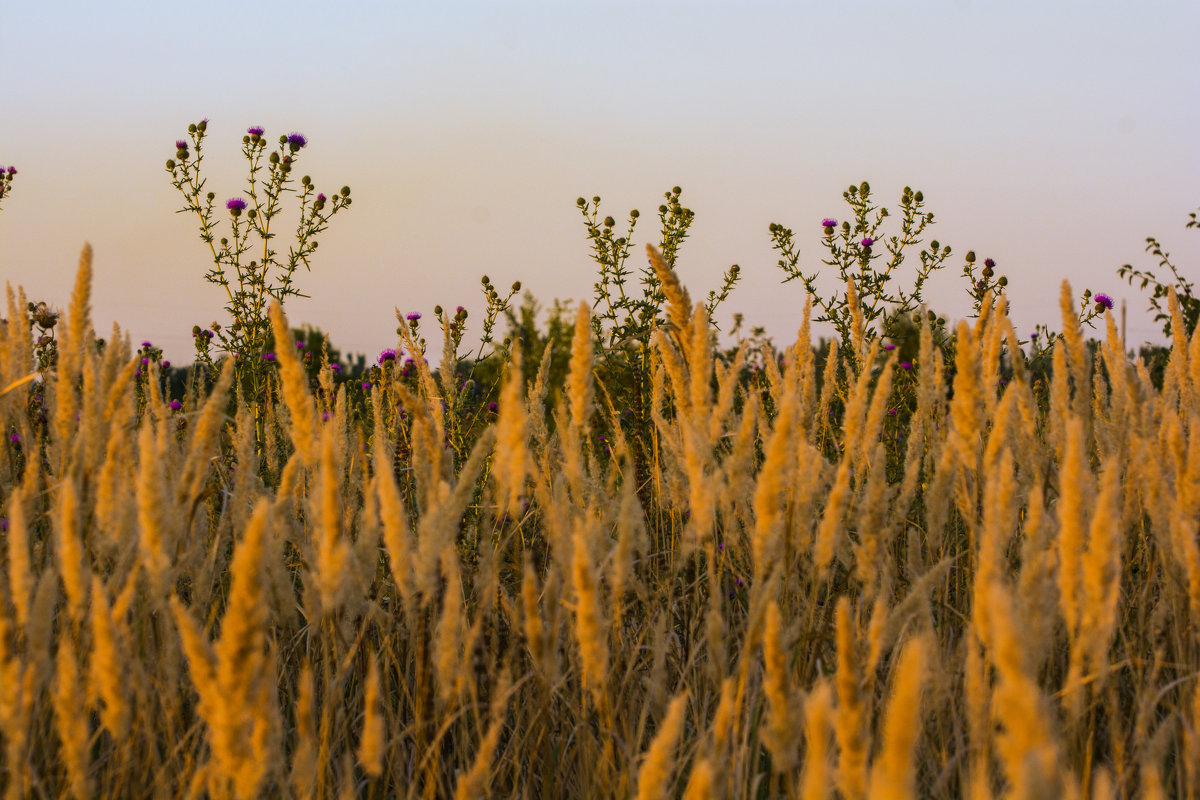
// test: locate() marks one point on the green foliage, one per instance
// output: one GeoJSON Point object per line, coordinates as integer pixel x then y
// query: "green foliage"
{"type": "Point", "coordinates": [1189, 303]}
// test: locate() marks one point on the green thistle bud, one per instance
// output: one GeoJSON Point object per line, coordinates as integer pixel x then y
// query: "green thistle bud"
{"type": "Point", "coordinates": [283, 139]}
{"type": "Point", "coordinates": [864, 189]}
{"type": "Point", "coordinates": [273, 158]}
{"type": "Point", "coordinates": [516, 287]}
{"type": "Point", "coordinates": [202, 126]}
{"type": "Point", "coordinates": [919, 197]}
{"type": "Point", "coordinates": [581, 202]}
{"type": "Point", "coordinates": [345, 191]}
{"type": "Point", "coordinates": [211, 196]}
{"type": "Point", "coordinates": [191, 128]}
{"type": "Point", "coordinates": [596, 199]}
{"type": "Point", "coordinates": [970, 256]}
{"type": "Point", "coordinates": [609, 222]}
{"type": "Point", "coordinates": [245, 140]}
{"type": "Point", "coordinates": [662, 209]}
{"type": "Point", "coordinates": [634, 214]}
{"type": "Point", "coordinates": [170, 163]}
{"type": "Point", "coordinates": [1003, 281]}
{"type": "Point", "coordinates": [675, 190]}
{"type": "Point", "coordinates": [437, 311]}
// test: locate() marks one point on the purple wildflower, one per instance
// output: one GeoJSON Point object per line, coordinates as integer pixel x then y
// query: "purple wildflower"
{"type": "Point", "coordinates": [905, 365]}
{"type": "Point", "coordinates": [1033, 336]}
{"type": "Point", "coordinates": [296, 141]}
{"type": "Point", "coordinates": [145, 361]}
{"type": "Point", "coordinates": [166, 364]}
{"type": "Point", "coordinates": [366, 385]}
{"type": "Point", "coordinates": [387, 354]}
{"type": "Point", "coordinates": [147, 344]}
{"type": "Point", "coordinates": [828, 222]}
{"type": "Point", "coordinates": [236, 204]}
{"type": "Point", "coordinates": [493, 407]}
{"type": "Point", "coordinates": [413, 317]}
{"type": "Point", "coordinates": [868, 241]}
{"type": "Point", "coordinates": [12, 170]}
{"type": "Point", "coordinates": [325, 416]}
{"type": "Point", "coordinates": [336, 367]}
{"type": "Point", "coordinates": [180, 144]}
{"type": "Point", "coordinates": [889, 347]}
{"type": "Point", "coordinates": [1103, 300]}
{"type": "Point", "coordinates": [989, 262]}
{"type": "Point", "coordinates": [299, 344]}
{"type": "Point", "coordinates": [255, 130]}
{"type": "Point", "coordinates": [16, 438]}
{"type": "Point", "coordinates": [320, 197]}
{"type": "Point", "coordinates": [176, 405]}
{"type": "Point", "coordinates": [892, 412]}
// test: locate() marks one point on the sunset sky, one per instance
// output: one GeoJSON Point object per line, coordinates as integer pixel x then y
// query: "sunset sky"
{"type": "Point", "coordinates": [1051, 136]}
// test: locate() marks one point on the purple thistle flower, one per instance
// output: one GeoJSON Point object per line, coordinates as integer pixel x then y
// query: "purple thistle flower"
{"type": "Point", "coordinates": [868, 241]}
{"type": "Point", "coordinates": [1103, 300]}
{"type": "Point", "coordinates": [300, 344]}
{"type": "Point", "coordinates": [889, 347]}
{"type": "Point", "coordinates": [180, 144]}
{"type": "Point", "coordinates": [16, 438]}
{"type": "Point", "coordinates": [891, 412]}
{"type": "Point", "coordinates": [176, 405]}
{"type": "Point", "coordinates": [387, 354]}
{"type": "Point", "coordinates": [905, 365]}
{"type": "Point", "coordinates": [12, 170]}
{"type": "Point", "coordinates": [236, 204]}
{"type": "Point", "coordinates": [165, 365]}
{"type": "Point", "coordinates": [413, 317]}
{"type": "Point", "coordinates": [336, 367]}
{"type": "Point", "coordinates": [145, 361]}
{"type": "Point", "coordinates": [147, 344]}
{"type": "Point", "coordinates": [296, 141]}
{"type": "Point", "coordinates": [255, 130]}
{"type": "Point", "coordinates": [494, 407]}
{"type": "Point", "coordinates": [366, 385]}
{"type": "Point", "coordinates": [989, 262]}
{"type": "Point", "coordinates": [828, 222]}
{"type": "Point", "coordinates": [1033, 336]}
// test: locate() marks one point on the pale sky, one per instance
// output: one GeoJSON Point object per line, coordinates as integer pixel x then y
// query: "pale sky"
{"type": "Point", "coordinates": [1051, 136]}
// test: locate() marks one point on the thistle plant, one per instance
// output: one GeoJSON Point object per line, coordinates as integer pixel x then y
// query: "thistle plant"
{"type": "Point", "coordinates": [246, 263]}
{"type": "Point", "coordinates": [1189, 303]}
{"type": "Point", "coordinates": [6, 179]}
{"type": "Point", "coordinates": [854, 250]}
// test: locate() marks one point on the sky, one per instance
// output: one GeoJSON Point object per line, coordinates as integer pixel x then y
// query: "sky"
{"type": "Point", "coordinates": [1051, 136]}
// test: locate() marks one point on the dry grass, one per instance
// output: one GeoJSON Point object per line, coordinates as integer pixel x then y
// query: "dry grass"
{"type": "Point", "coordinates": [1002, 598]}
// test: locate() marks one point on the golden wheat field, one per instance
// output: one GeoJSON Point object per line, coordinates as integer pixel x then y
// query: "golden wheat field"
{"type": "Point", "coordinates": [789, 597]}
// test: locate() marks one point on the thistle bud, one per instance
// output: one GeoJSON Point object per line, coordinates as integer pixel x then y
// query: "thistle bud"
{"type": "Point", "coordinates": [970, 256]}
{"type": "Point", "coordinates": [516, 287]}
{"type": "Point", "coordinates": [191, 128]}
{"type": "Point", "coordinates": [634, 214]}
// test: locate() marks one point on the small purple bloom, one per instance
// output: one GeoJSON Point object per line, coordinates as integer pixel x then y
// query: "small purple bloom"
{"type": "Point", "coordinates": [320, 197]}
{"type": "Point", "coordinates": [176, 405]}
{"type": "Point", "coordinates": [868, 241]}
{"type": "Point", "coordinates": [147, 344]}
{"type": "Point", "coordinates": [1104, 300]}
{"type": "Point", "coordinates": [16, 438]}
{"type": "Point", "coordinates": [255, 130]}
{"type": "Point", "coordinates": [828, 222]}
{"type": "Point", "coordinates": [300, 345]}
{"type": "Point", "coordinates": [388, 354]}
{"type": "Point", "coordinates": [989, 262]}
{"type": "Point", "coordinates": [3, 523]}
{"type": "Point", "coordinates": [166, 364]}
{"type": "Point", "coordinates": [12, 170]}
{"type": "Point", "coordinates": [180, 144]}
{"type": "Point", "coordinates": [493, 407]}
{"type": "Point", "coordinates": [296, 140]}
{"type": "Point", "coordinates": [889, 347]}
{"type": "Point", "coordinates": [366, 385]}
{"type": "Point", "coordinates": [905, 365]}
{"type": "Point", "coordinates": [891, 412]}
{"type": "Point", "coordinates": [413, 317]}
{"type": "Point", "coordinates": [268, 356]}
{"type": "Point", "coordinates": [325, 416]}
{"type": "Point", "coordinates": [145, 361]}
{"type": "Point", "coordinates": [236, 204]}
{"type": "Point", "coordinates": [336, 367]}
{"type": "Point", "coordinates": [1033, 335]}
